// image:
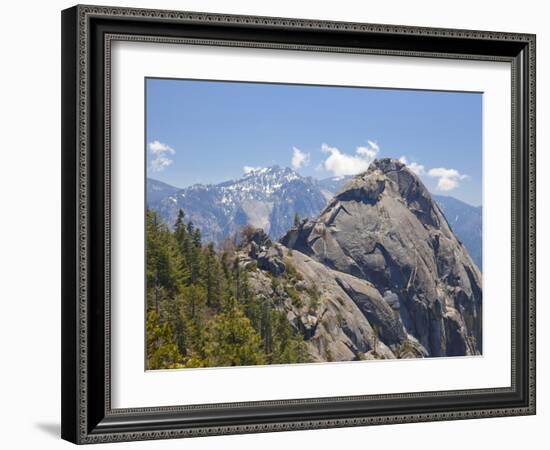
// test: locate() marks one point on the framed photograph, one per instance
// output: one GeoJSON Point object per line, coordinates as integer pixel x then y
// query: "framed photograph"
{"type": "Point", "coordinates": [279, 224]}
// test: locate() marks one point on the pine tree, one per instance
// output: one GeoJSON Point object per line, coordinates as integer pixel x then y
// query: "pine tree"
{"type": "Point", "coordinates": [166, 274]}
{"type": "Point", "coordinates": [197, 238]}
{"type": "Point", "coordinates": [180, 219]}
{"type": "Point", "coordinates": [232, 341]}
{"type": "Point", "coordinates": [194, 317]}
{"type": "Point", "coordinates": [164, 265]}
{"type": "Point", "coordinates": [184, 243]}
{"type": "Point", "coordinates": [201, 310]}
{"type": "Point", "coordinates": [226, 281]}
{"type": "Point", "coordinates": [191, 249]}
{"type": "Point", "coordinates": [162, 350]}
{"type": "Point", "coordinates": [266, 327]}
{"type": "Point", "coordinates": [288, 346]}
{"type": "Point", "coordinates": [170, 313]}
{"type": "Point", "coordinates": [237, 278]}
{"type": "Point", "coordinates": [212, 276]}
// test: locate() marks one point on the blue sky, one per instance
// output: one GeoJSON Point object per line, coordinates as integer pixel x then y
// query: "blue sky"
{"type": "Point", "coordinates": [209, 131]}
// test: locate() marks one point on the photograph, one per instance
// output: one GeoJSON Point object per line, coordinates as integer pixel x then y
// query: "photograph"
{"type": "Point", "coordinates": [299, 224]}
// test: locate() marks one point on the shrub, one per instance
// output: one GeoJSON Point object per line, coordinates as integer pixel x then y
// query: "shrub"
{"type": "Point", "coordinates": [291, 272]}
{"type": "Point", "coordinates": [294, 296]}
{"type": "Point", "coordinates": [315, 297]}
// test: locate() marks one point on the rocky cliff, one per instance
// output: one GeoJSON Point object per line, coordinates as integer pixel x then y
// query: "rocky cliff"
{"type": "Point", "coordinates": [382, 248]}
{"type": "Point", "coordinates": [341, 317]}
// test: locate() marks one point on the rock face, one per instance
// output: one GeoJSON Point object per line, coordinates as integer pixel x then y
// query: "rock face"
{"type": "Point", "coordinates": [341, 317]}
{"type": "Point", "coordinates": [384, 229]}
{"type": "Point", "coordinates": [267, 256]}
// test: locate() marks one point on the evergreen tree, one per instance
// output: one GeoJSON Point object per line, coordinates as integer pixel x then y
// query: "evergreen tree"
{"type": "Point", "coordinates": [197, 238]}
{"type": "Point", "coordinates": [164, 273]}
{"type": "Point", "coordinates": [266, 327]}
{"type": "Point", "coordinates": [288, 347]}
{"type": "Point", "coordinates": [194, 318]}
{"type": "Point", "coordinates": [180, 219]}
{"type": "Point", "coordinates": [201, 311]}
{"type": "Point", "coordinates": [226, 281]}
{"type": "Point", "coordinates": [184, 244]}
{"type": "Point", "coordinates": [232, 340]}
{"type": "Point", "coordinates": [212, 276]}
{"type": "Point", "coordinates": [237, 278]}
{"type": "Point", "coordinates": [162, 350]}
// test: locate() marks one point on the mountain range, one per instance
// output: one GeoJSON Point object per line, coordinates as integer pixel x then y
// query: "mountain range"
{"type": "Point", "coordinates": [271, 198]}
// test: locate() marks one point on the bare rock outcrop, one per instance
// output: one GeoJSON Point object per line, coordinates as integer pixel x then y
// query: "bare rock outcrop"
{"type": "Point", "coordinates": [341, 317]}
{"type": "Point", "coordinates": [391, 251]}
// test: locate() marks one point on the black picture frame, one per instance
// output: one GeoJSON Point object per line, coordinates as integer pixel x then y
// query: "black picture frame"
{"type": "Point", "coordinates": [87, 416]}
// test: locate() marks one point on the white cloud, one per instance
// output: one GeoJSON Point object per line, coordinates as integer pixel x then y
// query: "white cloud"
{"type": "Point", "coordinates": [160, 163]}
{"type": "Point", "coordinates": [299, 158]}
{"type": "Point", "coordinates": [160, 151]}
{"type": "Point", "coordinates": [369, 151]}
{"type": "Point", "coordinates": [343, 164]}
{"type": "Point", "coordinates": [418, 169]}
{"type": "Point", "coordinates": [157, 148]}
{"type": "Point", "coordinates": [448, 178]}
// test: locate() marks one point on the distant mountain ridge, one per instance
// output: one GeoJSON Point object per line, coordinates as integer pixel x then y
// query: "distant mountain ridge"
{"type": "Point", "coordinates": [157, 190]}
{"type": "Point", "coordinates": [269, 198]}
{"type": "Point", "coordinates": [467, 223]}
{"type": "Point", "coordinates": [266, 198]}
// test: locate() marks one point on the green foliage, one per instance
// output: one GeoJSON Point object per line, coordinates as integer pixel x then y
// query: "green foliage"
{"type": "Point", "coordinates": [288, 346]}
{"type": "Point", "coordinates": [315, 299]}
{"type": "Point", "coordinates": [252, 266]}
{"type": "Point", "coordinates": [294, 296]}
{"type": "Point", "coordinates": [201, 311]}
{"type": "Point", "coordinates": [275, 284]}
{"type": "Point", "coordinates": [162, 350]}
{"type": "Point", "coordinates": [213, 273]}
{"type": "Point", "coordinates": [232, 341]}
{"type": "Point", "coordinates": [291, 272]}
{"type": "Point", "coordinates": [194, 318]}
{"type": "Point", "coordinates": [405, 350]}
{"type": "Point", "coordinates": [165, 268]}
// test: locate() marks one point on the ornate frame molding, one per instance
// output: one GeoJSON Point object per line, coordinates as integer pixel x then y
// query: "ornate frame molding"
{"type": "Point", "coordinates": [83, 421]}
